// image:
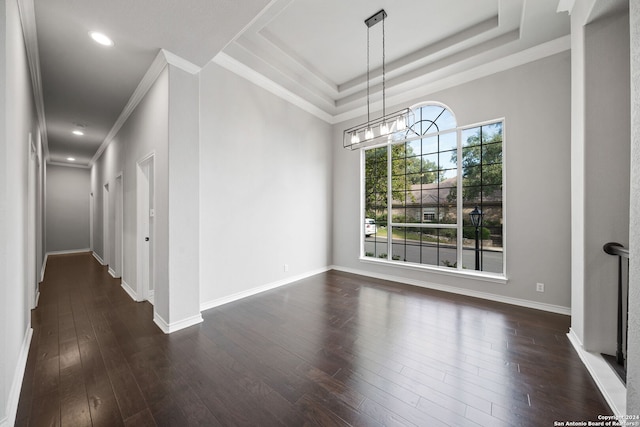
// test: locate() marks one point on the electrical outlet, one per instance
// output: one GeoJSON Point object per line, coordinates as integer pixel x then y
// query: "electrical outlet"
{"type": "Point", "coordinates": [540, 287]}
{"type": "Point", "coordinates": [285, 267]}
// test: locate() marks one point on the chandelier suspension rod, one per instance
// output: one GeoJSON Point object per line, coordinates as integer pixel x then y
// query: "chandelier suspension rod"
{"type": "Point", "coordinates": [368, 79]}
{"type": "Point", "coordinates": [384, 112]}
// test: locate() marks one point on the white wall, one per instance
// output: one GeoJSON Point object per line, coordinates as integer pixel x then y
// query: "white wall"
{"type": "Point", "coordinates": [633, 361]}
{"type": "Point", "coordinates": [165, 124]}
{"type": "Point", "coordinates": [534, 99]}
{"type": "Point", "coordinates": [184, 284]}
{"type": "Point", "coordinates": [17, 120]}
{"type": "Point", "coordinates": [265, 188]}
{"type": "Point", "coordinates": [67, 208]}
{"type": "Point", "coordinates": [606, 180]}
{"type": "Point", "coordinates": [145, 131]}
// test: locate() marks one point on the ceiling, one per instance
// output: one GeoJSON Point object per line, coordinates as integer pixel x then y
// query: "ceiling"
{"type": "Point", "coordinates": [312, 52]}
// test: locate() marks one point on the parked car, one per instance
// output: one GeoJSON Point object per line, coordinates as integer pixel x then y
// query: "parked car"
{"type": "Point", "coordinates": [370, 227]}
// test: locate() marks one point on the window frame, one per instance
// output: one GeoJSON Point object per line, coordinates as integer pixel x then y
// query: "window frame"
{"type": "Point", "coordinates": [459, 271]}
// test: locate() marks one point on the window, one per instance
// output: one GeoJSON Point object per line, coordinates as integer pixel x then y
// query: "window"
{"type": "Point", "coordinates": [421, 187]}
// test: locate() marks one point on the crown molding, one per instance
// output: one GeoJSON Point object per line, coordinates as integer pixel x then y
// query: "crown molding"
{"type": "Point", "coordinates": [69, 165]}
{"type": "Point", "coordinates": [177, 61]}
{"type": "Point", "coordinates": [154, 70]}
{"type": "Point", "coordinates": [565, 6]}
{"type": "Point", "coordinates": [415, 88]}
{"type": "Point", "coordinates": [240, 69]}
{"type": "Point", "coordinates": [27, 13]}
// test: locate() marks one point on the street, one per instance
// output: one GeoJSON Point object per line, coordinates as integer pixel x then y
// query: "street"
{"type": "Point", "coordinates": [430, 254]}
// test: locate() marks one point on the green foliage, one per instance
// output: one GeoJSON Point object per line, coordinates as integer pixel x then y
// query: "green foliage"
{"type": "Point", "coordinates": [407, 169]}
{"type": "Point", "coordinates": [481, 163]}
{"type": "Point", "coordinates": [470, 233]}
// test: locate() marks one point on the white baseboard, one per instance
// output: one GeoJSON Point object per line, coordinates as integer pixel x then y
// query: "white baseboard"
{"type": "Point", "coordinates": [16, 385]}
{"type": "Point", "coordinates": [611, 387]}
{"type": "Point", "coordinates": [259, 289]}
{"type": "Point", "coordinates": [69, 252]}
{"type": "Point", "coordinates": [97, 257]}
{"type": "Point", "coordinates": [461, 291]}
{"type": "Point", "coordinates": [129, 290]}
{"type": "Point", "coordinates": [151, 297]}
{"type": "Point", "coordinates": [168, 328]}
{"type": "Point", "coordinates": [112, 273]}
{"type": "Point", "coordinates": [42, 270]}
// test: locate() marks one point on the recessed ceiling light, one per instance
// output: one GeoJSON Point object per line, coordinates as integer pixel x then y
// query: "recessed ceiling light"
{"type": "Point", "coordinates": [101, 38]}
{"type": "Point", "coordinates": [78, 132]}
{"type": "Point", "coordinates": [71, 159]}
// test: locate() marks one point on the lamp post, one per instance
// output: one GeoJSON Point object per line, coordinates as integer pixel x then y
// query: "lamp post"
{"type": "Point", "coordinates": [476, 220]}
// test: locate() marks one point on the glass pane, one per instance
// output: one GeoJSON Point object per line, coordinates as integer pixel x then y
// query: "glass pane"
{"type": "Point", "coordinates": [436, 118]}
{"type": "Point", "coordinates": [429, 145]}
{"type": "Point", "coordinates": [448, 213]}
{"type": "Point", "coordinates": [448, 160]}
{"type": "Point", "coordinates": [448, 141]}
{"type": "Point", "coordinates": [414, 148]}
{"type": "Point", "coordinates": [399, 166]}
{"type": "Point", "coordinates": [430, 162]}
{"type": "Point", "coordinates": [492, 174]}
{"type": "Point", "coordinates": [492, 153]}
{"type": "Point", "coordinates": [492, 193]}
{"type": "Point", "coordinates": [492, 133]}
{"type": "Point", "coordinates": [448, 176]}
{"type": "Point", "coordinates": [375, 248]}
{"type": "Point", "coordinates": [470, 137]}
{"type": "Point", "coordinates": [470, 156]}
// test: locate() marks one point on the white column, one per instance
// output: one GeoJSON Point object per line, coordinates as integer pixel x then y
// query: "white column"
{"type": "Point", "coordinates": [633, 361]}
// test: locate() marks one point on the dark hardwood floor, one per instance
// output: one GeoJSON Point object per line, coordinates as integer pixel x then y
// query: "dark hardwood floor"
{"type": "Point", "coordinates": [332, 350]}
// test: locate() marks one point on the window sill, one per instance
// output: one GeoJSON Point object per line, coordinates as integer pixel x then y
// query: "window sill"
{"type": "Point", "coordinates": [467, 274]}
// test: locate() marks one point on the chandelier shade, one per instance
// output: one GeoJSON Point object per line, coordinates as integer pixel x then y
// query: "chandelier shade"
{"type": "Point", "coordinates": [385, 129]}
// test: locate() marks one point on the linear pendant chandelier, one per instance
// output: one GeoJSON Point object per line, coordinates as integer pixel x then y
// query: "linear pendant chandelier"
{"type": "Point", "coordinates": [382, 129]}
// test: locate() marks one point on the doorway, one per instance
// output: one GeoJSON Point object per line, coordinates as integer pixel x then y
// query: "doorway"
{"type": "Point", "coordinates": [32, 223]}
{"type": "Point", "coordinates": [145, 227]}
{"type": "Point", "coordinates": [116, 253]}
{"type": "Point", "coordinates": [106, 247]}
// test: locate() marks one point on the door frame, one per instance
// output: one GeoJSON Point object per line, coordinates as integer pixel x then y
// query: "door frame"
{"type": "Point", "coordinates": [145, 254]}
{"type": "Point", "coordinates": [106, 235]}
{"type": "Point", "coordinates": [118, 232]}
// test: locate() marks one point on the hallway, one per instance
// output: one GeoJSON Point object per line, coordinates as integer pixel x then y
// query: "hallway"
{"type": "Point", "coordinates": [334, 349]}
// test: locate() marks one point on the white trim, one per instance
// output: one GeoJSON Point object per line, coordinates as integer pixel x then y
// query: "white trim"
{"type": "Point", "coordinates": [168, 328]}
{"type": "Point", "coordinates": [611, 387]}
{"type": "Point", "coordinates": [467, 274]}
{"type": "Point", "coordinates": [129, 290]}
{"type": "Point", "coordinates": [97, 257]}
{"type": "Point", "coordinates": [259, 289]}
{"type": "Point", "coordinates": [419, 87]}
{"type": "Point", "coordinates": [460, 291]}
{"type": "Point", "coordinates": [14, 392]}
{"type": "Point", "coordinates": [112, 273]}
{"type": "Point", "coordinates": [500, 278]}
{"type": "Point", "coordinates": [180, 62]}
{"type": "Point", "coordinates": [156, 67]}
{"type": "Point", "coordinates": [240, 69]}
{"type": "Point", "coordinates": [44, 267]}
{"type": "Point", "coordinates": [27, 12]}
{"type": "Point", "coordinates": [68, 165]}
{"type": "Point", "coordinates": [565, 6]}
{"type": "Point", "coordinates": [68, 252]}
